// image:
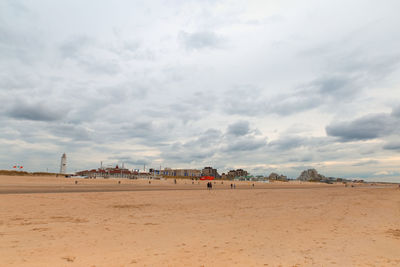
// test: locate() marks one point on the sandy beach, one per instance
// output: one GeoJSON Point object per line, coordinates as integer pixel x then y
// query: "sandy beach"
{"type": "Point", "coordinates": [48, 221]}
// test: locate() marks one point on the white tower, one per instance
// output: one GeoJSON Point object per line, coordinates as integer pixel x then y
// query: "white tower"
{"type": "Point", "coordinates": [63, 165]}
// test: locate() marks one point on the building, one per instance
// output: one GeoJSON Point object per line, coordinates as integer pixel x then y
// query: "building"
{"type": "Point", "coordinates": [63, 164]}
{"type": "Point", "coordinates": [276, 177]}
{"type": "Point", "coordinates": [178, 172]}
{"type": "Point", "coordinates": [209, 171]}
{"type": "Point", "coordinates": [232, 174]}
{"type": "Point", "coordinates": [188, 172]}
{"type": "Point", "coordinates": [116, 172]}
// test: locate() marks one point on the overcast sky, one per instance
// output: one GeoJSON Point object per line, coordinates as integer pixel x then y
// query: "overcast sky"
{"type": "Point", "coordinates": [268, 86]}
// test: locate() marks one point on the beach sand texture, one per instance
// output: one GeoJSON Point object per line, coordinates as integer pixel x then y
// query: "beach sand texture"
{"type": "Point", "coordinates": [270, 225]}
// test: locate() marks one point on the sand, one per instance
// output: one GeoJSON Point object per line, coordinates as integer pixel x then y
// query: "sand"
{"type": "Point", "coordinates": [279, 224]}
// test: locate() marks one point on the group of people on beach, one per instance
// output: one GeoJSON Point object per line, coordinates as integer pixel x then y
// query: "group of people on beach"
{"type": "Point", "coordinates": [209, 186]}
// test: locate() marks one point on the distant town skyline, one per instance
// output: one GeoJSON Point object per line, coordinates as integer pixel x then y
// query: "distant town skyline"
{"type": "Point", "coordinates": [265, 86]}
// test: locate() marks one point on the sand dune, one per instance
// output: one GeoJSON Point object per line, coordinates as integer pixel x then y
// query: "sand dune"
{"type": "Point", "coordinates": [292, 225]}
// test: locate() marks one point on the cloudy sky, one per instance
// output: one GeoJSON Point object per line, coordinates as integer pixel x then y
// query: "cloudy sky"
{"type": "Point", "coordinates": [263, 85]}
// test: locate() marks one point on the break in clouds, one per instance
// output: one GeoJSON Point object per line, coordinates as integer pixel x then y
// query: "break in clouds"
{"type": "Point", "coordinates": [265, 86]}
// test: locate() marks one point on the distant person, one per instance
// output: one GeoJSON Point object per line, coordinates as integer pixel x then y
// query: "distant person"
{"type": "Point", "coordinates": [234, 186]}
{"type": "Point", "coordinates": [231, 186]}
{"type": "Point", "coordinates": [174, 181]}
{"type": "Point", "coordinates": [149, 182]}
{"type": "Point", "coordinates": [211, 185]}
{"type": "Point", "coordinates": [253, 185]}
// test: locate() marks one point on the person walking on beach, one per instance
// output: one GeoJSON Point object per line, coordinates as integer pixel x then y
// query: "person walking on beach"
{"type": "Point", "coordinates": [209, 185]}
{"type": "Point", "coordinates": [231, 186]}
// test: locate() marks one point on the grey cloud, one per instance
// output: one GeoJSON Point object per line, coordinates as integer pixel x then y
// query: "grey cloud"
{"type": "Point", "coordinates": [131, 160]}
{"type": "Point", "coordinates": [17, 81]}
{"type": "Point", "coordinates": [249, 100]}
{"type": "Point", "coordinates": [209, 138]}
{"type": "Point", "coordinates": [300, 143]}
{"type": "Point", "coordinates": [240, 138]}
{"type": "Point", "coordinates": [16, 46]}
{"type": "Point", "coordinates": [367, 127]}
{"type": "Point", "coordinates": [326, 90]}
{"type": "Point", "coordinates": [206, 145]}
{"type": "Point", "coordinates": [141, 132]}
{"type": "Point", "coordinates": [239, 128]}
{"type": "Point", "coordinates": [304, 158]}
{"type": "Point", "coordinates": [20, 41]}
{"type": "Point", "coordinates": [35, 112]}
{"type": "Point", "coordinates": [349, 74]}
{"type": "Point", "coordinates": [186, 156]}
{"type": "Point", "coordinates": [293, 148]}
{"type": "Point", "coordinates": [75, 132]}
{"type": "Point", "coordinates": [16, 8]}
{"type": "Point", "coordinates": [247, 144]}
{"type": "Point", "coordinates": [244, 100]}
{"type": "Point", "coordinates": [392, 146]}
{"type": "Point", "coordinates": [141, 129]}
{"type": "Point", "coordinates": [365, 163]}
{"type": "Point", "coordinates": [214, 144]}
{"type": "Point", "coordinates": [289, 104]}
{"type": "Point", "coordinates": [73, 47]}
{"type": "Point", "coordinates": [90, 54]}
{"type": "Point", "coordinates": [332, 85]}
{"type": "Point", "coordinates": [396, 112]}
{"type": "Point", "coordinates": [200, 40]}
{"type": "Point", "coordinates": [288, 142]}
{"type": "Point", "coordinates": [184, 109]}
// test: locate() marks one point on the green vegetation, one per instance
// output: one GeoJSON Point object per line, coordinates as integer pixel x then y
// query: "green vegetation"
{"type": "Point", "coordinates": [24, 173]}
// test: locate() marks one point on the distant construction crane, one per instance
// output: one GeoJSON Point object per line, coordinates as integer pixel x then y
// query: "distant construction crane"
{"type": "Point", "coordinates": [63, 165]}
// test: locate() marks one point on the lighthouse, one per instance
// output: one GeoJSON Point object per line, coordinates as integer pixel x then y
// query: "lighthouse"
{"type": "Point", "coordinates": [63, 165]}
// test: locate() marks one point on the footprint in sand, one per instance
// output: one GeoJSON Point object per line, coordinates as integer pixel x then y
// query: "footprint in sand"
{"type": "Point", "coordinates": [69, 258]}
{"type": "Point", "coordinates": [38, 229]}
{"type": "Point", "coordinates": [394, 233]}
{"type": "Point", "coordinates": [151, 224]}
